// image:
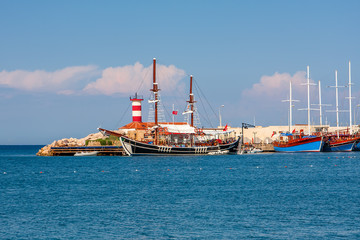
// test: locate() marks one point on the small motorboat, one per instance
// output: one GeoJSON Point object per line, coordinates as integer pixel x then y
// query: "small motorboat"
{"type": "Point", "coordinates": [255, 150]}
{"type": "Point", "coordinates": [219, 152]}
{"type": "Point", "coordinates": [84, 154]}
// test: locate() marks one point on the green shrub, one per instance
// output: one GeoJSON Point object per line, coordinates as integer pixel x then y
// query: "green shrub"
{"type": "Point", "coordinates": [113, 138]}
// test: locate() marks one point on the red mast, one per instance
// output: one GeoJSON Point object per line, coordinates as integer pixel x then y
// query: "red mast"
{"type": "Point", "coordinates": [155, 90]}
{"type": "Point", "coordinates": [191, 102]}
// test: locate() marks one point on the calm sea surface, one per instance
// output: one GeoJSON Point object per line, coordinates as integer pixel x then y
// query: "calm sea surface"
{"type": "Point", "coordinates": [264, 196]}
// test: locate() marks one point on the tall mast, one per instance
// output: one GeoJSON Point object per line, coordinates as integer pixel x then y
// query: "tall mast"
{"type": "Point", "coordinates": [320, 104]}
{"type": "Point", "coordinates": [155, 90]}
{"type": "Point", "coordinates": [308, 91]}
{"type": "Point", "coordinates": [191, 102]}
{"type": "Point", "coordinates": [320, 107]}
{"type": "Point", "coordinates": [290, 108]}
{"type": "Point", "coordinates": [308, 96]}
{"type": "Point", "coordinates": [290, 100]}
{"type": "Point", "coordinates": [350, 107]}
{"type": "Point", "coordinates": [337, 103]}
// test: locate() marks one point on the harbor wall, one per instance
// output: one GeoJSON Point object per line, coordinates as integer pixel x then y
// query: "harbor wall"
{"type": "Point", "coordinates": [92, 140]}
{"type": "Point", "coordinates": [260, 134]}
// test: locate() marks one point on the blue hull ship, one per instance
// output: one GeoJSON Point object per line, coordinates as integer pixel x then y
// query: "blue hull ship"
{"type": "Point", "coordinates": [357, 147]}
{"type": "Point", "coordinates": [345, 147]}
{"type": "Point", "coordinates": [299, 143]}
{"type": "Point", "coordinates": [344, 143]}
{"type": "Point", "coordinates": [313, 146]}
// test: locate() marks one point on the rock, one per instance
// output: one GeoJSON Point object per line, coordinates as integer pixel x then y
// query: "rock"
{"type": "Point", "coordinates": [71, 142]}
{"type": "Point", "coordinates": [45, 151]}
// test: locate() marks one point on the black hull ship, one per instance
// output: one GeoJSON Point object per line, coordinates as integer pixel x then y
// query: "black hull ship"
{"type": "Point", "coordinates": [136, 148]}
{"type": "Point", "coordinates": [161, 138]}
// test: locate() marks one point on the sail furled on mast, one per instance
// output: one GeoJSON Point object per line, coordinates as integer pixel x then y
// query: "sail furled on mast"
{"type": "Point", "coordinates": [156, 110]}
{"type": "Point", "coordinates": [186, 113]}
{"type": "Point", "coordinates": [191, 115]}
{"type": "Point", "coordinates": [160, 110]}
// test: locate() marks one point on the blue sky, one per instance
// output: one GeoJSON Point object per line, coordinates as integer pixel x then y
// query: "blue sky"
{"type": "Point", "coordinates": [67, 67]}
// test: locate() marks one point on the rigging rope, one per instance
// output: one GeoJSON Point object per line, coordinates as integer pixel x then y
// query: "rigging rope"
{"type": "Point", "coordinates": [198, 88]}
{"type": "Point", "coordinates": [138, 89]}
{"type": "Point", "coordinates": [175, 95]}
{"type": "Point", "coordinates": [122, 117]}
{"type": "Point", "coordinates": [145, 77]}
{"type": "Point", "coordinates": [206, 114]}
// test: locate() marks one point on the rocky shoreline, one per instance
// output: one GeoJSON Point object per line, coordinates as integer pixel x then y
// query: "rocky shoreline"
{"type": "Point", "coordinates": [89, 140]}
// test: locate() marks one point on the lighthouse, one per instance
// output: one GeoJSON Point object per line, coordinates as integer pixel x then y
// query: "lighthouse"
{"type": "Point", "coordinates": [136, 108]}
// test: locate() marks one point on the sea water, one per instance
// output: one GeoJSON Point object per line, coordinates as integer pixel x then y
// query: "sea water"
{"type": "Point", "coordinates": [260, 196]}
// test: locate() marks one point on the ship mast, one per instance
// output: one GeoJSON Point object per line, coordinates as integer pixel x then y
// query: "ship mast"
{"type": "Point", "coordinates": [350, 107]}
{"type": "Point", "coordinates": [290, 100]}
{"type": "Point", "coordinates": [191, 102]}
{"type": "Point", "coordinates": [290, 108]}
{"type": "Point", "coordinates": [308, 97]}
{"type": "Point", "coordinates": [337, 102]}
{"type": "Point", "coordinates": [156, 100]}
{"type": "Point", "coordinates": [320, 105]}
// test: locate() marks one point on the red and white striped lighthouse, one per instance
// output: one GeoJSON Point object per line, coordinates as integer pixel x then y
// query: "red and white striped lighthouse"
{"type": "Point", "coordinates": [136, 108]}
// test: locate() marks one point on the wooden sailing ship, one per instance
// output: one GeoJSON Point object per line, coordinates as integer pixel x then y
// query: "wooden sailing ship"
{"type": "Point", "coordinates": [176, 139]}
{"type": "Point", "coordinates": [342, 141]}
{"type": "Point", "coordinates": [298, 142]}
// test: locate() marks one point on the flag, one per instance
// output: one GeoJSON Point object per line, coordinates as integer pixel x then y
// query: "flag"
{"type": "Point", "coordinates": [174, 112]}
{"type": "Point", "coordinates": [293, 131]}
{"type": "Point", "coordinates": [273, 134]}
{"type": "Point", "coordinates": [225, 128]}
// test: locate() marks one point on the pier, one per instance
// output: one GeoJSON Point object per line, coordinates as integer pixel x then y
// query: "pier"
{"type": "Point", "coordinates": [264, 146]}
{"type": "Point", "coordinates": [102, 150]}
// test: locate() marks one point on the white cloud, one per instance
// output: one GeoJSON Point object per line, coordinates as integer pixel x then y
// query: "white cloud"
{"type": "Point", "coordinates": [132, 78]}
{"type": "Point", "coordinates": [123, 80]}
{"type": "Point", "coordinates": [276, 85]}
{"type": "Point", "coordinates": [264, 99]}
{"type": "Point", "coordinates": [40, 80]}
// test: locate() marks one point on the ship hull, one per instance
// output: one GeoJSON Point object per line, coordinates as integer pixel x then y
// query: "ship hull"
{"type": "Point", "coordinates": [135, 148]}
{"type": "Point", "coordinates": [340, 146]}
{"type": "Point", "coordinates": [304, 145]}
{"type": "Point", "coordinates": [357, 146]}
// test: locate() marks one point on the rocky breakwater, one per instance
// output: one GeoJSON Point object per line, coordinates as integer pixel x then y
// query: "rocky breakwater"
{"type": "Point", "coordinates": [69, 142]}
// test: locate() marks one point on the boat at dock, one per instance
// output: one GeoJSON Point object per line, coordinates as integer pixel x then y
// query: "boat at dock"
{"type": "Point", "coordinates": [298, 141]}
{"type": "Point", "coordinates": [256, 150]}
{"type": "Point", "coordinates": [357, 146]}
{"type": "Point", "coordinates": [289, 142]}
{"type": "Point", "coordinates": [136, 148]}
{"type": "Point", "coordinates": [341, 144]}
{"type": "Point", "coordinates": [86, 154]}
{"type": "Point", "coordinates": [163, 138]}
{"type": "Point", "coordinates": [342, 141]}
